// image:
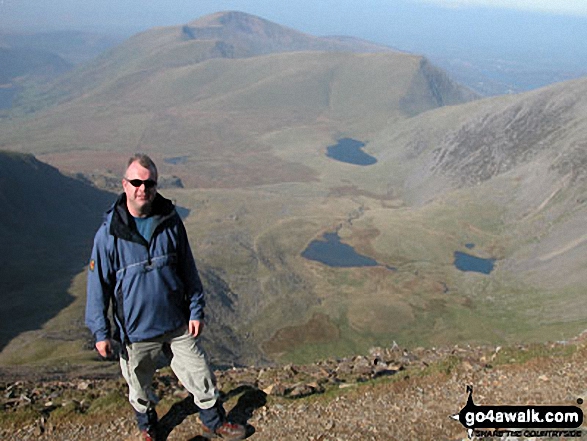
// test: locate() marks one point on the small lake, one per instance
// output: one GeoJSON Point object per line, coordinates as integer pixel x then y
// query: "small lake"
{"type": "Point", "coordinates": [176, 160]}
{"type": "Point", "coordinates": [332, 252]}
{"type": "Point", "coordinates": [350, 151]}
{"type": "Point", "coordinates": [182, 211]}
{"type": "Point", "coordinates": [467, 262]}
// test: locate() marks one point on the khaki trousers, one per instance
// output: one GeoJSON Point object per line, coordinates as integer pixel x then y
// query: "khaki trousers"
{"type": "Point", "coordinates": [189, 364]}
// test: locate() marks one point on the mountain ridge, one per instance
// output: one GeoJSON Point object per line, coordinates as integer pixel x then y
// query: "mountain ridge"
{"type": "Point", "coordinates": [257, 36]}
{"type": "Point", "coordinates": [228, 35]}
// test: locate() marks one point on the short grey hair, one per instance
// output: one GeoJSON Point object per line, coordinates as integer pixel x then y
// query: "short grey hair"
{"type": "Point", "coordinates": [145, 161]}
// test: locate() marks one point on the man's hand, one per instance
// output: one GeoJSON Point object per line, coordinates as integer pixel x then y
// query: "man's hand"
{"type": "Point", "coordinates": [195, 327]}
{"type": "Point", "coordinates": [104, 348]}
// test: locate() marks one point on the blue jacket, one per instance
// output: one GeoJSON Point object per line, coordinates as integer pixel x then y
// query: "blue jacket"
{"type": "Point", "coordinates": [154, 286]}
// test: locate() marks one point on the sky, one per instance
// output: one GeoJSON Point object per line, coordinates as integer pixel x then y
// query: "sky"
{"type": "Point", "coordinates": [392, 22]}
{"type": "Point", "coordinates": [572, 7]}
{"type": "Point", "coordinates": [328, 15]}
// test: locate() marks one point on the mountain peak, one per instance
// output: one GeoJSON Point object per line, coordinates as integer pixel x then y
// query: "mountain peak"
{"type": "Point", "coordinates": [235, 19]}
{"type": "Point", "coordinates": [230, 24]}
{"type": "Point", "coordinates": [249, 35]}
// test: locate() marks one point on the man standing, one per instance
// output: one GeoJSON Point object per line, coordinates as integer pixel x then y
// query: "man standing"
{"type": "Point", "coordinates": [142, 264]}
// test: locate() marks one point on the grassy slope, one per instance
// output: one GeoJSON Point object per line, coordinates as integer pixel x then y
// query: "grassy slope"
{"type": "Point", "coordinates": [254, 237]}
{"type": "Point", "coordinates": [426, 301]}
{"type": "Point", "coordinates": [529, 218]}
{"type": "Point", "coordinates": [257, 95]}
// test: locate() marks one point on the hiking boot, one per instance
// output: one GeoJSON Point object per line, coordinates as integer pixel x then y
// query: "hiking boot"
{"type": "Point", "coordinates": [149, 434]}
{"type": "Point", "coordinates": [147, 423]}
{"type": "Point", "coordinates": [228, 431]}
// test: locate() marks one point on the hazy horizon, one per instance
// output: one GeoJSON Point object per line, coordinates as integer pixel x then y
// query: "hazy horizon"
{"type": "Point", "coordinates": [453, 23]}
{"type": "Point", "coordinates": [535, 35]}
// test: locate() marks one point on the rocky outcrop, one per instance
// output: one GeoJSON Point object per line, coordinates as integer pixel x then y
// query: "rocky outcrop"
{"type": "Point", "coordinates": [388, 394]}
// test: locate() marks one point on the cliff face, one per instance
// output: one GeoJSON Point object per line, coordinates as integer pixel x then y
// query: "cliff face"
{"type": "Point", "coordinates": [47, 223]}
{"type": "Point", "coordinates": [431, 89]}
{"type": "Point", "coordinates": [476, 142]}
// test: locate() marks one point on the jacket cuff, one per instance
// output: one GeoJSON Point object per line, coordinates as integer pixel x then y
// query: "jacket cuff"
{"type": "Point", "coordinates": [197, 315]}
{"type": "Point", "coordinates": [101, 336]}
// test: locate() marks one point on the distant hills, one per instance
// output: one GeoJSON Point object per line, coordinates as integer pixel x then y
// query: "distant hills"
{"type": "Point", "coordinates": [74, 47]}
{"type": "Point", "coordinates": [222, 35]}
{"type": "Point", "coordinates": [20, 67]}
{"type": "Point", "coordinates": [28, 61]}
{"type": "Point", "coordinates": [18, 62]}
{"type": "Point", "coordinates": [240, 35]}
{"type": "Point", "coordinates": [163, 88]}
{"type": "Point", "coordinates": [243, 111]}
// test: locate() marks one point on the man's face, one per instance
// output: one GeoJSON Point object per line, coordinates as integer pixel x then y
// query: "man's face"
{"type": "Point", "coordinates": [139, 199]}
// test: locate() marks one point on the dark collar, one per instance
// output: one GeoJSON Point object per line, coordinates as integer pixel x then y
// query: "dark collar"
{"type": "Point", "coordinates": [123, 224]}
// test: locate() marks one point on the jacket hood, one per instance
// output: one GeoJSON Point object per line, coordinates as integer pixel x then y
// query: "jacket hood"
{"type": "Point", "coordinates": [122, 223]}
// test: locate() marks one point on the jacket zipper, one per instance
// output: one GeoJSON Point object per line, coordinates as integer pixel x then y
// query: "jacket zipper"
{"type": "Point", "coordinates": [149, 262]}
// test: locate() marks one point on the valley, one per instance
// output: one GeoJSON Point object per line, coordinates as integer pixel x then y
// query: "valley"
{"type": "Point", "coordinates": [246, 131]}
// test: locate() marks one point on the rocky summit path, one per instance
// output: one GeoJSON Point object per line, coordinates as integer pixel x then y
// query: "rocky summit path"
{"type": "Point", "coordinates": [390, 394]}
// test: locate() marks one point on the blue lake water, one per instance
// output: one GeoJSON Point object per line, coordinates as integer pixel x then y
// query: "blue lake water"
{"type": "Point", "coordinates": [350, 151]}
{"type": "Point", "coordinates": [176, 160]}
{"type": "Point", "coordinates": [182, 211]}
{"type": "Point", "coordinates": [466, 262]}
{"type": "Point", "coordinates": [332, 252]}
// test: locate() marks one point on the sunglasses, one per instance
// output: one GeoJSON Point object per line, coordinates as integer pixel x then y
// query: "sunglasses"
{"type": "Point", "coordinates": [149, 183]}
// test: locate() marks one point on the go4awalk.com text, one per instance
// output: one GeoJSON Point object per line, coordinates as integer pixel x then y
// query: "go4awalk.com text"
{"type": "Point", "coordinates": [528, 433]}
{"type": "Point", "coordinates": [527, 421]}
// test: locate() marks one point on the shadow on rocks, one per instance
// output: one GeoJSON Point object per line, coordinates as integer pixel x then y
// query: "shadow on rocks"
{"type": "Point", "coordinates": [250, 400]}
